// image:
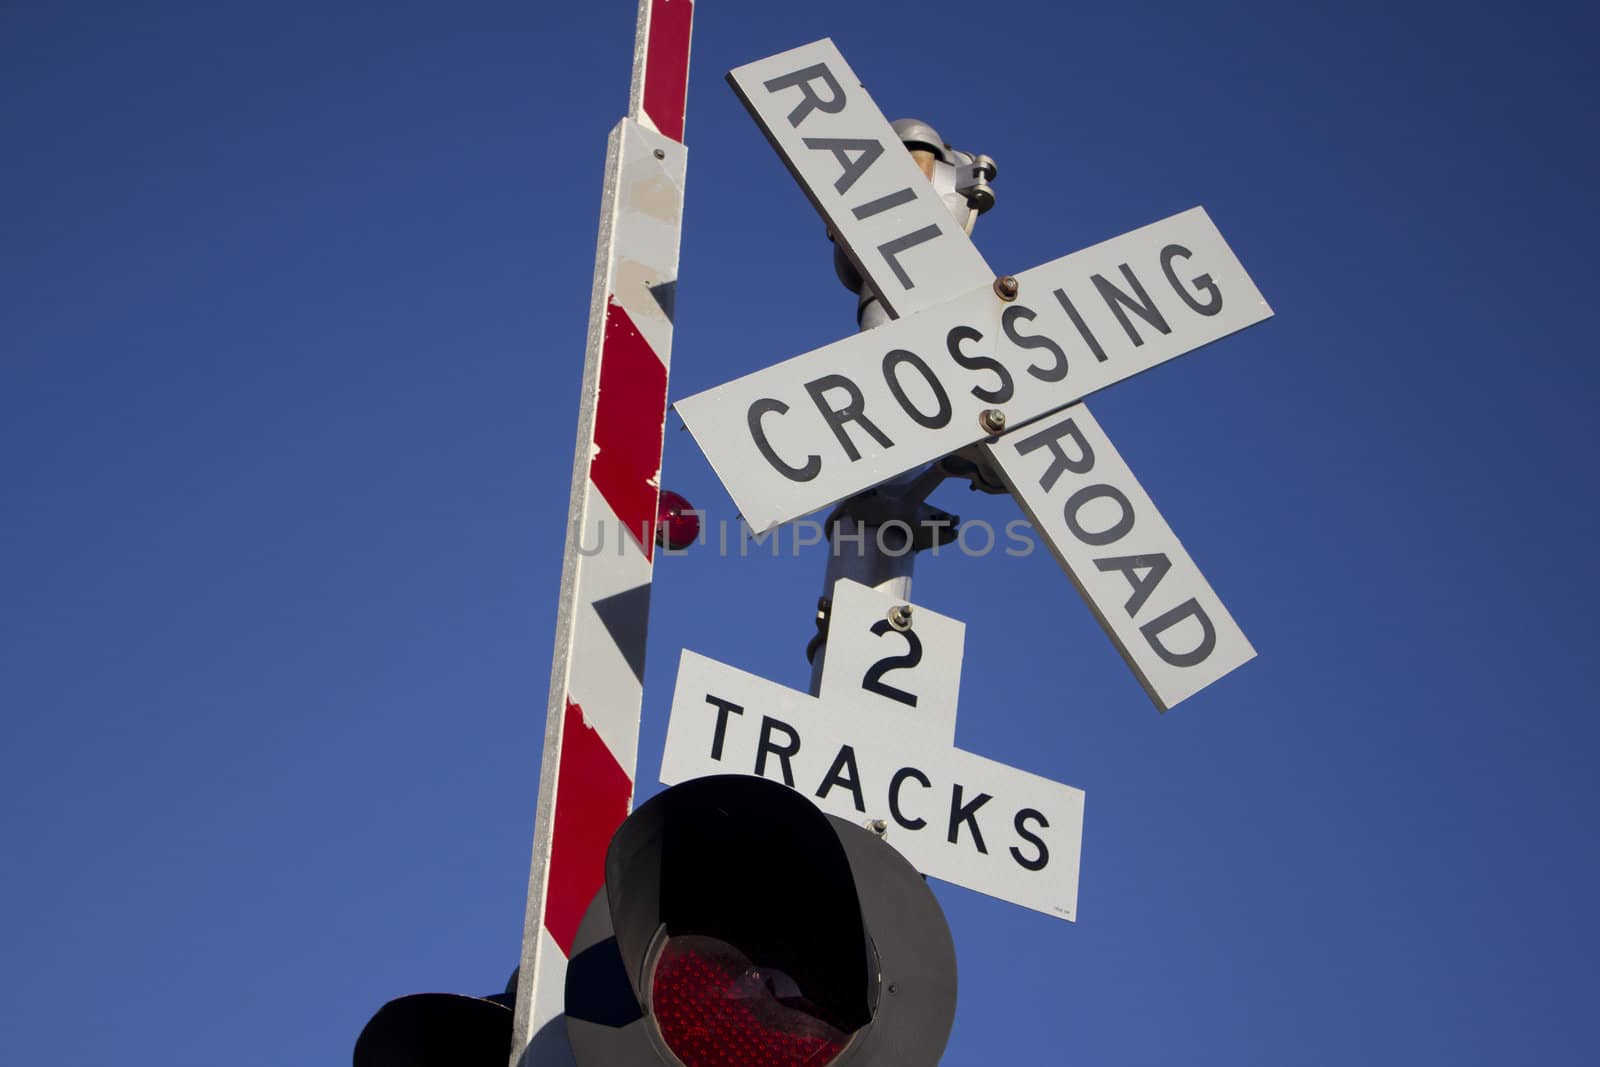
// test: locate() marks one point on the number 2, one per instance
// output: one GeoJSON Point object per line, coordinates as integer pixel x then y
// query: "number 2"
{"type": "Point", "coordinates": [873, 681]}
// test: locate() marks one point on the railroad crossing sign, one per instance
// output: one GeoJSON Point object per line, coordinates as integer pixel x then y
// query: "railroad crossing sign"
{"type": "Point", "coordinates": [956, 816]}
{"type": "Point", "coordinates": [970, 355]}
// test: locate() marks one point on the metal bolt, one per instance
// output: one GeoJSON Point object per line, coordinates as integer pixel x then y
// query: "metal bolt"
{"type": "Point", "coordinates": [660, 154]}
{"type": "Point", "coordinates": [1005, 287]}
{"type": "Point", "coordinates": [900, 617]}
{"type": "Point", "coordinates": [893, 988]}
{"type": "Point", "coordinates": [879, 826]}
{"type": "Point", "coordinates": [992, 420]}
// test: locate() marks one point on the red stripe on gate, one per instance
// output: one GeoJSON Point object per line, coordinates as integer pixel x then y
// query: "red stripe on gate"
{"type": "Point", "coordinates": [666, 65]}
{"type": "Point", "coordinates": [629, 420]}
{"type": "Point", "coordinates": [592, 797]}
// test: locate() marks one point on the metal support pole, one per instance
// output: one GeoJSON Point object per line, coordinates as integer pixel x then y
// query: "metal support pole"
{"type": "Point", "coordinates": [874, 538]}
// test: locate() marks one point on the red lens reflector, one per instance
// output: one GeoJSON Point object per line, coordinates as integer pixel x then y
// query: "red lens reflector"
{"type": "Point", "coordinates": [717, 1008]}
{"type": "Point", "coordinates": [677, 523]}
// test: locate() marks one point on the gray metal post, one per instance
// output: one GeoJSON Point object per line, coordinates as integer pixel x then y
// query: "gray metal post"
{"type": "Point", "coordinates": [874, 538]}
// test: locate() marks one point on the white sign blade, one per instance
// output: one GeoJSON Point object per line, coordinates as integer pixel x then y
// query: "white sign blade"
{"type": "Point", "coordinates": [954, 815]}
{"type": "Point", "coordinates": [914, 671]}
{"type": "Point", "coordinates": [823, 426]}
{"type": "Point", "coordinates": [1106, 533]}
{"type": "Point", "coordinates": [847, 158]}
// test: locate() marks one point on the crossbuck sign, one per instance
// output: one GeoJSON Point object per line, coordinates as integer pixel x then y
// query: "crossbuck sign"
{"type": "Point", "coordinates": [823, 426]}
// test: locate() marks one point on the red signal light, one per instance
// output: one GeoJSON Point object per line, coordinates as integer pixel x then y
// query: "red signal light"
{"type": "Point", "coordinates": [714, 1007]}
{"type": "Point", "coordinates": [739, 926]}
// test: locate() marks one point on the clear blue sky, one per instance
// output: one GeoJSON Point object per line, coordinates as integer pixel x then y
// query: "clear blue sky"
{"type": "Point", "coordinates": [292, 306]}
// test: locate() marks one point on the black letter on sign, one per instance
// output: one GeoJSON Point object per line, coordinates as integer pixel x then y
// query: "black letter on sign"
{"type": "Point", "coordinates": [891, 249]}
{"type": "Point", "coordinates": [1115, 531]}
{"type": "Point", "coordinates": [841, 147]}
{"type": "Point", "coordinates": [1153, 630]}
{"type": "Point", "coordinates": [891, 364]}
{"type": "Point", "coordinates": [873, 681]}
{"type": "Point", "coordinates": [1156, 567]}
{"type": "Point", "coordinates": [1050, 438]}
{"type": "Point", "coordinates": [1000, 393]}
{"type": "Point", "coordinates": [967, 813]}
{"type": "Point", "coordinates": [723, 707]}
{"type": "Point", "coordinates": [895, 783]}
{"type": "Point", "coordinates": [1083, 327]}
{"type": "Point", "coordinates": [851, 412]}
{"type": "Point", "coordinates": [1116, 300]}
{"type": "Point", "coordinates": [1202, 282]}
{"type": "Point", "coordinates": [812, 102]}
{"type": "Point", "coordinates": [883, 203]}
{"type": "Point", "coordinates": [845, 760]}
{"type": "Point", "coordinates": [765, 406]}
{"type": "Point", "coordinates": [783, 754]}
{"type": "Point", "coordinates": [1036, 864]}
{"type": "Point", "coordinates": [1008, 323]}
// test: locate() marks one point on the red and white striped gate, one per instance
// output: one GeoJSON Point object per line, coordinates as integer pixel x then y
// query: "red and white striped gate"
{"type": "Point", "coordinates": [596, 681]}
